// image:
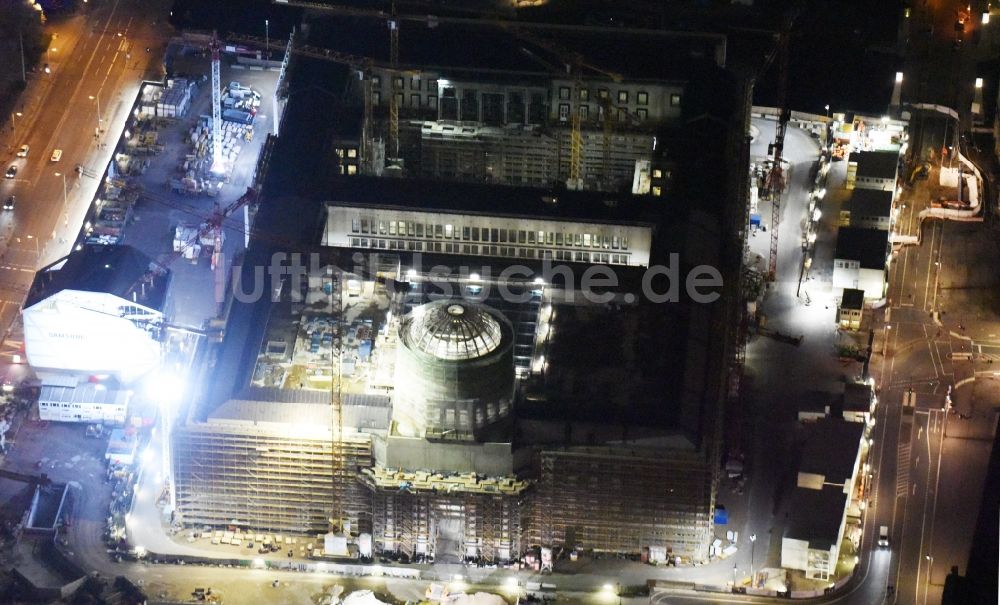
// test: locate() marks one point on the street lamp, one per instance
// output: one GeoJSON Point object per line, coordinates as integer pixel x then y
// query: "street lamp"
{"type": "Point", "coordinates": [97, 98]}
{"type": "Point", "coordinates": [65, 199]}
{"type": "Point", "coordinates": [827, 108]}
{"type": "Point", "coordinates": [753, 543]}
{"type": "Point", "coordinates": [13, 123]}
{"type": "Point", "coordinates": [65, 196]}
{"type": "Point", "coordinates": [267, 39]}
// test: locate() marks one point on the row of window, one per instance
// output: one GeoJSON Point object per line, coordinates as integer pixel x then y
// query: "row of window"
{"type": "Point", "coordinates": [76, 406]}
{"type": "Point", "coordinates": [416, 100]}
{"type": "Point", "coordinates": [498, 251]}
{"type": "Point", "coordinates": [641, 97]}
{"type": "Point", "coordinates": [584, 110]}
{"type": "Point", "coordinates": [488, 234]}
{"type": "Point", "coordinates": [397, 83]}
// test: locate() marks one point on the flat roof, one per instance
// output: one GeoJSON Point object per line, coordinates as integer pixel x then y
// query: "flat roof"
{"type": "Point", "coordinates": [84, 392]}
{"type": "Point", "coordinates": [831, 449]}
{"type": "Point", "coordinates": [487, 51]}
{"type": "Point", "coordinates": [857, 397]}
{"type": "Point", "coordinates": [868, 246]}
{"type": "Point", "coordinates": [425, 195]}
{"type": "Point", "coordinates": [815, 515]}
{"type": "Point", "coordinates": [852, 299]}
{"type": "Point", "coordinates": [119, 270]}
{"type": "Point", "coordinates": [876, 164]}
{"type": "Point", "coordinates": [872, 202]}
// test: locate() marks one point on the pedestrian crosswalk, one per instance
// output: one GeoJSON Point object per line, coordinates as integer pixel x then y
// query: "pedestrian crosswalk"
{"type": "Point", "coordinates": [903, 469]}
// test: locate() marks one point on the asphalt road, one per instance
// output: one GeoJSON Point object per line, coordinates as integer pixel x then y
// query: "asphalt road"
{"type": "Point", "coordinates": [96, 61]}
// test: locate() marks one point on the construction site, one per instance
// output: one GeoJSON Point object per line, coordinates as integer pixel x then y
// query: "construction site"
{"type": "Point", "coordinates": [499, 418]}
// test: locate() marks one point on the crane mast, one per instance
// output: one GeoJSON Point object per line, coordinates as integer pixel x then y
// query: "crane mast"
{"type": "Point", "coordinates": [776, 178]}
{"type": "Point", "coordinates": [216, 103]}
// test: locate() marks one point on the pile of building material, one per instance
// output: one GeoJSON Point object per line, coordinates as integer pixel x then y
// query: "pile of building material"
{"type": "Point", "coordinates": [176, 99]}
{"type": "Point", "coordinates": [114, 211]}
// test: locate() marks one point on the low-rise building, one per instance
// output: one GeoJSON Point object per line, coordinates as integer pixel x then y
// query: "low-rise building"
{"type": "Point", "coordinates": [857, 403]}
{"type": "Point", "coordinates": [868, 209]}
{"type": "Point", "coordinates": [860, 260]}
{"type": "Point", "coordinates": [852, 305]}
{"type": "Point", "coordinates": [817, 521]}
{"type": "Point", "coordinates": [873, 170]}
{"type": "Point", "coordinates": [68, 398]}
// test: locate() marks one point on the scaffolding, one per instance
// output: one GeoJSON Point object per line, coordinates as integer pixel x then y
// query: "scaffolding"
{"type": "Point", "coordinates": [269, 480]}
{"type": "Point", "coordinates": [615, 500]}
{"type": "Point", "coordinates": [411, 507]}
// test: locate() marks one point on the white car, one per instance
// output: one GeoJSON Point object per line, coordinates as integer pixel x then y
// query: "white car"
{"type": "Point", "coordinates": [56, 155]}
{"type": "Point", "coordinates": [23, 151]}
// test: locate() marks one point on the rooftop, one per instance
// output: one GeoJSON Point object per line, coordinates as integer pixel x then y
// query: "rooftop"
{"type": "Point", "coordinates": [852, 299]}
{"type": "Point", "coordinates": [857, 397]}
{"type": "Point", "coordinates": [119, 270]}
{"type": "Point", "coordinates": [815, 516]}
{"type": "Point", "coordinates": [870, 202]}
{"type": "Point", "coordinates": [868, 246]}
{"type": "Point", "coordinates": [831, 449]}
{"type": "Point", "coordinates": [876, 164]}
{"type": "Point", "coordinates": [480, 48]}
{"type": "Point", "coordinates": [487, 200]}
{"type": "Point", "coordinates": [454, 330]}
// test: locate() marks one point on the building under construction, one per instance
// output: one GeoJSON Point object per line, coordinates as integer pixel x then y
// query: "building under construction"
{"type": "Point", "coordinates": [515, 108]}
{"type": "Point", "coordinates": [484, 413]}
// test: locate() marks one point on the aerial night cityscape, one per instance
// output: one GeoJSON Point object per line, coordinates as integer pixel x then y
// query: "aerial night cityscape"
{"type": "Point", "coordinates": [491, 302]}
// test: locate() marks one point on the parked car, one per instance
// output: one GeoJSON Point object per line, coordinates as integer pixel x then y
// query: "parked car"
{"type": "Point", "coordinates": [56, 155]}
{"type": "Point", "coordinates": [11, 171]}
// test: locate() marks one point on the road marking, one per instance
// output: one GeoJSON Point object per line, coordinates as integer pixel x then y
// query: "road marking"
{"type": "Point", "coordinates": [902, 469]}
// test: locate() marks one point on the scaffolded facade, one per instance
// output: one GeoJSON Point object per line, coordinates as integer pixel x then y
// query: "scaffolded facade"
{"type": "Point", "coordinates": [622, 501]}
{"type": "Point", "coordinates": [268, 479]}
{"type": "Point", "coordinates": [411, 512]}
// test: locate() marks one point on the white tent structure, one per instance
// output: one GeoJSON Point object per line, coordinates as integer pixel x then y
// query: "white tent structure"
{"type": "Point", "coordinates": [96, 312]}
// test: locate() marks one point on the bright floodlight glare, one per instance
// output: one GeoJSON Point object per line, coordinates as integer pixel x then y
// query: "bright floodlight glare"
{"type": "Point", "coordinates": [539, 281]}
{"type": "Point", "coordinates": [457, 577]}
{"type": "Point", "coordinates": [899, 77]}
{"type": "Point", "coordinates": [512, 582]}
{"type": "Point", "coordinates": [474, 276]}
{"type": "Point", "coordinates": [164, 386]}
{"type": "Point", "coordinates": [979, 82]}
{"type": "Point", "coordinates": [608, 587]}
{"type": "Point", "coordinates": [986, 18]}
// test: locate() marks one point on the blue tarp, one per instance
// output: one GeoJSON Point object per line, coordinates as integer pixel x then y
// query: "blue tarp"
{"type": "Point", "coordinates": [721, 516]}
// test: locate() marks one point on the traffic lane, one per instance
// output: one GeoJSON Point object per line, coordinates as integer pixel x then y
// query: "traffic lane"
{"type": "Point", "coordinates": [915, 282]}
{"type": "Point", "coordinates": [919, 508]}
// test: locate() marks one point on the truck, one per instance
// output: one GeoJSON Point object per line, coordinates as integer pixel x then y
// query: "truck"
{"type": "Point", "coordinates": [238, 116]}
{"type": "Point", "coordinates": [883, 536]}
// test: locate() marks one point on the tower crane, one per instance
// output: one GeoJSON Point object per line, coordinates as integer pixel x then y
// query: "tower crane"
{"type": "Point", "coordinates": [216, 101]}
{"type": "Point", "coordinates": [776, 177]}
{"type": "Point", "coordinates": [394, 100]}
